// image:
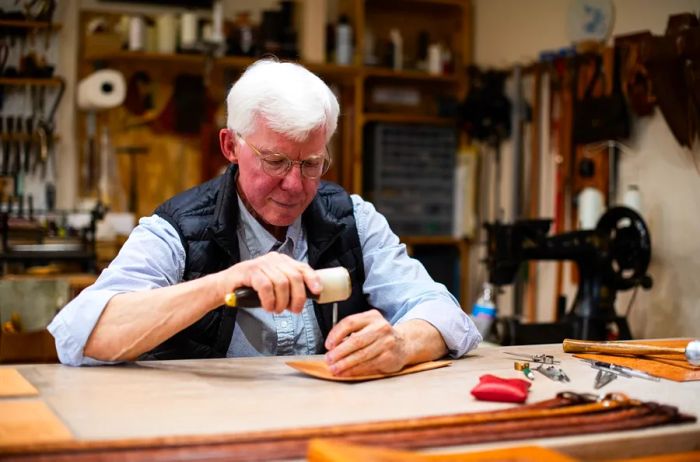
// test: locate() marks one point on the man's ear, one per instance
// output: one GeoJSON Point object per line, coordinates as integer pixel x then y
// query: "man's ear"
{"type": "Point", "coordinates": [227, 141]}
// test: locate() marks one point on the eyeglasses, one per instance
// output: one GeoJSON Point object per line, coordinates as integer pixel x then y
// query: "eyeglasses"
{"type": "Point", "coordinates": [276, 164]}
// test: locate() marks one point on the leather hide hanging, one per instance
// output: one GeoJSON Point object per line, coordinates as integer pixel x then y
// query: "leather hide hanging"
{"type": "Point", "coordinates": [636, 84]}
{"type": "Point", "coordinates": [673, 64]}
{"type": "Point", "coordinates": [604, 117]}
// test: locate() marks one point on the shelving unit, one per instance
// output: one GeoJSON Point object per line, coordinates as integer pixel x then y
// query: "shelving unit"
{"type": "Point", "coordinates": [445, 21]}
{"type": "Point", "coordinates": [12, 180]}
{"type": "Point", "coordinates": [17, 24]}
{"type": "Point", "coordinates": [21, 81]}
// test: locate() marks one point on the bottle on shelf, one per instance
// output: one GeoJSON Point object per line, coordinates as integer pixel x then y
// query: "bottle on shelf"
{"type": "Point", "coordinates": [343, 42]}
{"type": "Point", "coordinates": [242, 41]}
{"type": "Point", "coordinates": [396, 49]}
{"type": "Point", "coordinates": [484, 310]}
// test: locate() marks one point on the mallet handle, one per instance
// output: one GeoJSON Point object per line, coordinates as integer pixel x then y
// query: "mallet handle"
{"type": "Point", "coordinates": [623, 348]}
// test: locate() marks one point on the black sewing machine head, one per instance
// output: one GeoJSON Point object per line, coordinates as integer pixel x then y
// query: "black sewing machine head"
{"type": "Point", "coordinates": [614, 256]}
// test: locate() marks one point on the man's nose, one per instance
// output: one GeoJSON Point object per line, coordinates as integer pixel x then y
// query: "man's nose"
{"type": "Point", "coordinates": [293, 179]}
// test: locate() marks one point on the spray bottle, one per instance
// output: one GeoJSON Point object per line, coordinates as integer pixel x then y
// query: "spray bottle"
{"type": "Point", "coordinates": [484, 310]}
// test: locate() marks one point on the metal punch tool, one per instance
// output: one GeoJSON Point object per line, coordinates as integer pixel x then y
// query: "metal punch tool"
{"type": "Point", "coordinates": [608, 372]}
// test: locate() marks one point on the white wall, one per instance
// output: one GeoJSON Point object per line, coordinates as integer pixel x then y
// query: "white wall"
{"type": "Point", "coordinates": [512, 31]}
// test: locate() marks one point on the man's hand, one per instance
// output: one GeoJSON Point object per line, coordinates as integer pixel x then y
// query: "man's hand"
{"type": "Point", "coordinates": [365, 343]}
{"type": "Point", "coordinates": [279, 280]}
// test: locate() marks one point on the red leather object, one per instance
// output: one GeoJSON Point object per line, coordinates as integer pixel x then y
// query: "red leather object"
{"type": "Point", "coordinates": [492, 388]}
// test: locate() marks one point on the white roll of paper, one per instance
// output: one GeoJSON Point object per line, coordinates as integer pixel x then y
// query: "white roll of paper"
{"type": "Point", "coordinates": [591, 206]}
{"type": "Point", "coordinates": [103, 89]}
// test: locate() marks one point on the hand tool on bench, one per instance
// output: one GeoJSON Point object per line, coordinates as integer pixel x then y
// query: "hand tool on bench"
{"type": "Point", "coordinates": [540, 358]}
{"type": "Point", "coordinates": [608, 372]}
{"type": "Point", "coordinates": [691, 351]}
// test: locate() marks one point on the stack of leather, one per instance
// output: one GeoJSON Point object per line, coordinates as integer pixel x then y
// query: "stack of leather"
{"type": "Point", "coordinates": [566, 414]}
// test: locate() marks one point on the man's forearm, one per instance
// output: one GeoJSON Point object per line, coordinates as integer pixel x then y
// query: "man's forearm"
{"type": "Point", "coordinates": [135, 322]}
{"type": "Point", "coordinates": [423, 341]}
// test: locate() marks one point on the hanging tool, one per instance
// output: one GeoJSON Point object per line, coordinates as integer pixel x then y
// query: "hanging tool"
{"type": "Point", "coordinates": [5, 133]}
{"type": "Point", "coordinates": [19, 131]}
{"type": "Point", "coordinates": [691, 351]}
{"type": "Point", "coordinates": [46, 126]}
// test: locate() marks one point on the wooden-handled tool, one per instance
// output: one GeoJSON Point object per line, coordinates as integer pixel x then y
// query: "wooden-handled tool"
{"type": "Point", "coordinates": [691, 352]}
{"type": "Point", "coordinates": [336, 287]}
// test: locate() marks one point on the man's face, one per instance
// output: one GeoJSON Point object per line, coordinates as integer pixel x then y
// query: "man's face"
{"type": "Point", "coordinates": [277, 200]}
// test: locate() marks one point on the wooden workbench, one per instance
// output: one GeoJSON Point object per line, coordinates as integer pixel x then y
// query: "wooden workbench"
{"type": "Point", "coordinates": [166, 401]}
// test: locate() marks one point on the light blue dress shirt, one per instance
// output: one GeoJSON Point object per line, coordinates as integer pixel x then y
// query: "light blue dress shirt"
{"type": "Point", "coordinates": [153, 256]}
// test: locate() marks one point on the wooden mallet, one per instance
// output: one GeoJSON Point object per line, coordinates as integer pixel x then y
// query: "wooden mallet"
{"type": "Point", "coordinates": [691, 352]}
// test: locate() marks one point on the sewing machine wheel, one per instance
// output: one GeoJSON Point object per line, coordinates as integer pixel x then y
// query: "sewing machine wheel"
{"type": "Point", "coordinates": [626, 237]}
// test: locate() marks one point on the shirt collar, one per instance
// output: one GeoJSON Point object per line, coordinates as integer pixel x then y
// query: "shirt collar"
{"type": "Point", "coordinates": [257, 237]}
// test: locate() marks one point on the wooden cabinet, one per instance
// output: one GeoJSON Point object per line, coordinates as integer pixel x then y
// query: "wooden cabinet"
{"type": "Point", "coordinates": [416, 93]}
{"type": "Point", "coordinates": [369, 90]}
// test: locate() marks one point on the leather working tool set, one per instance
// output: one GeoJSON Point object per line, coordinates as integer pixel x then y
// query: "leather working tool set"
{"type": "Point", "coordinates": [657, 352]}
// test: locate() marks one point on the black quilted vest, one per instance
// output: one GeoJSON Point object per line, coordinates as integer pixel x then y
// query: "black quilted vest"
{"type": "Point", "coordinates": [206, 218]}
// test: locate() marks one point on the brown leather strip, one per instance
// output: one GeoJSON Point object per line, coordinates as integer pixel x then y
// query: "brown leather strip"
{"type": "Point", "coordinates": [495, 431]}
{"type": "Point", "coordinates": [280, 445]}
{"type": "Point", "coordinates": [562, 400]}
{"type": "Point", "coordinates": [637, 417]}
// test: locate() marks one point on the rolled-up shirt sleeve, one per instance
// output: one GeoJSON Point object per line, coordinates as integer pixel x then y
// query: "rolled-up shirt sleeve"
{"type": "Point", "coordinates": [152, 257]}
{"type": "Point", "coordinates": [401, 288]}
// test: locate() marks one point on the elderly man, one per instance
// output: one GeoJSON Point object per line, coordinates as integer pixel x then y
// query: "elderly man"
{"type": "Point", "coordinates": [268, 222]}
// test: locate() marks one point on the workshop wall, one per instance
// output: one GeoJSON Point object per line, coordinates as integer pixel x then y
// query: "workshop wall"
{"type": "Point", "coordinates": [512, 31]}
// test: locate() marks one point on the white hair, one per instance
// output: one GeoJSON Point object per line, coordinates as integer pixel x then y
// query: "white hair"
{"type": "Point", "coordinates": [291, 101]}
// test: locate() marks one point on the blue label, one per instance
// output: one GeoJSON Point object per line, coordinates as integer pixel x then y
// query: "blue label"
{"type": "Point", "coordinates": [484, 310]}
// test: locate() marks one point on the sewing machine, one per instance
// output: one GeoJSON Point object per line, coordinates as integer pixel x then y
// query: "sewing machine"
{"type": "Point", "coordinates": [612, 257]}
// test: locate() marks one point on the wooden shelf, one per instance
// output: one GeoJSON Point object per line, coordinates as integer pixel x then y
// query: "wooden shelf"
{"type": "Point", "coordinates": [394, 117]}
{"type": "Point", "coordinates": [23, 137]}
{"type": "Point", "coordinates": [383, 72]}
{"type": "Point", "coordinates": [51, 82]}
{"type": "Point", "coordinates": [17, 24]}
{"type": "Point", "coordinates": [234, 62]}
{"type": "Point", "coordinates": [335, 71]}
{"type": "Point", "coordinates": [226, 62]}
{"type": "Point", "coordinates": [149, 57]}
{"type": "Point", "coordinates": [458, 3]}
